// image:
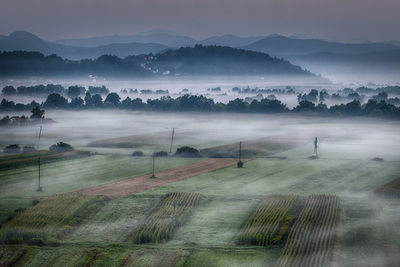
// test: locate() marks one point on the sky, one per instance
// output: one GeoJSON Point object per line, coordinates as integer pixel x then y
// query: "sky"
{"type": "Point", "coordinates": [338, 20]}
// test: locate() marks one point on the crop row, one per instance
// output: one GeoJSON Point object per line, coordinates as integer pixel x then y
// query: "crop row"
{"type": "Point", "coordinates": [264, 227]}
{"type": "Point", "coordinates": [311, 238]}
{"type": "Point", "coordinates": [41, 220]}
{"type": "Point", "coordinates": [172, 212]}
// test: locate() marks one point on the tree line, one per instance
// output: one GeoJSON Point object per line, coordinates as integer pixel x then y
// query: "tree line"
{"type": "Point", "coordinates": [201, 103]}
{"type": "Point", "coordinates": [37, 90]}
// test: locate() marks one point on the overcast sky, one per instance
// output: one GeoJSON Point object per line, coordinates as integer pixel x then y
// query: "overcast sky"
{"type": "Point", "coordinates": [342, 20]}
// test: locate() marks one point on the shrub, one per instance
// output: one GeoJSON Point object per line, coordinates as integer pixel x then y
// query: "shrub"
{"type": "Point", "coordinates": [160, 154]}
{"type": "Point", "coordinates": [137, 153]}
{"type": "Point", "coordinates": [12, 149]}
{"type": "Point", "coordinates": [27, 149]}
{"type": "Point", "coordinates": [61, 147]}
{"type": "Point", "coordinates": [19, 210]}
{"type": "Point", "coordinates": [187, 151]}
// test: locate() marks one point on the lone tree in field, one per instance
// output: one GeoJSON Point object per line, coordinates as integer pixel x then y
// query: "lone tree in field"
{"type": "Point", "coordinates": [187, 152]}
{"type": "Point", "coordinates": [12, 149]}
{"type": "Point", "coordinates": [137, 153]}
{"type": "Point", "coordinates": [160, 154]}
{"type": "Point", "coordinates": [37, 113]}
{"type": "Point", "coordinates": [61, 147]}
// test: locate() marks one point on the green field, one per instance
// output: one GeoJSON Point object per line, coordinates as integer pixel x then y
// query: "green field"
{"type": "Point", "coordinates": [18, 185]}
{"type": "Point", "coordinates": [231, 195]}
{"type": "Point", "coordinates": [291, 176]}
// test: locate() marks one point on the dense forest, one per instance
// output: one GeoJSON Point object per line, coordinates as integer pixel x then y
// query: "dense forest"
{"type": "Point", "coordinates": [198, 60]}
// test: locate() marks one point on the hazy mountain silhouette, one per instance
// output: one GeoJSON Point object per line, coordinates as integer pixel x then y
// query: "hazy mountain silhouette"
{"type": "Point", "coordinates": [286, 47]}
{"type": "Point", "coordinates": [21, 40]}
{"type": "Point", "coordinates": [385, 62]}
{"type": "Point", "coordinates": [25, 41]}
{"type": "Point", "coordinates": [163, 37]}
{"type": "Point", "coordinates": [230, 40]}
{"type": "Point", "coordinates": [119, 50]}
{"type": "Point", "coordinates": [319, 56]}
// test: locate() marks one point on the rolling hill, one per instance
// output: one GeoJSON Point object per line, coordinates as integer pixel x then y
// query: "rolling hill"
{"type": "Point", "coordinates": [218, 60]}
{"type": "Point", "coordinates": [198, 60]}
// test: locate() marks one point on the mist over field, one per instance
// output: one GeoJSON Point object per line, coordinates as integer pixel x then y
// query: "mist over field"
{"type": "Point", "coordinates": [345, 167]}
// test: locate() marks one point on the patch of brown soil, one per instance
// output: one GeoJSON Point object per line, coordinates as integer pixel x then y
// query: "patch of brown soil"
{"type": "Point", "coordinates": [144, 182]}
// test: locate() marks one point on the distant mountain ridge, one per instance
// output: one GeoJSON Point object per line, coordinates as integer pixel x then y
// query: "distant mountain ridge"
{"type": "Point", "coordinates": [160, 40]}
{"type": "Point", "coordinates": [25, 41]}
{"type": "Point", "coordinates": [318, 56]}
{"type": "Point", "coordinates": [230, 40]}
{"type": "Point", "coordinates": [333, 58]}
{"type": "Point", "coordinates": [166, 38]}
{"type": "Point", "coordinates": [282, 46]}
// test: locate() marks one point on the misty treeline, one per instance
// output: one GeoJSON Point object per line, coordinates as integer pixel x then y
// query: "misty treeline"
{"type": "Point", "coordinates": [373, 107]}
{"type": "Point", "coordinates": [71, 91]}
{"type": "Point", "coordinates": [197, 60]}
{"type": "Point", "coordinates": [44, 90]}
{"type": "Point", "coordinates": [361, 94]}
{"type": "Point", "coordinates": [36, 117]}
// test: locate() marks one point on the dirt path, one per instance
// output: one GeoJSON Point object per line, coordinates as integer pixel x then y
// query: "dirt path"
{"type": "Point", "coordinates": [144, 182]}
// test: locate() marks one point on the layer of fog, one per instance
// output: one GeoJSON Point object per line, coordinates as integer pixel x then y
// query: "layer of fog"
{"type": "Point", "coordinates": [201, 86]}
{"type": "Point", "coordinates": [343, 136]}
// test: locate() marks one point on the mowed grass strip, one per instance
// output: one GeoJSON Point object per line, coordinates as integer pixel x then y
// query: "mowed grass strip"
{"type": "Point", "coordinates": [144, 182]}
{"type": "Point", "coordinates": [270, 222]}
{"type": "Point", "coordinates": [38, 223]}
{"type": "Point", "coordinates": [173, 211]}
{"type": "Point", "coordinates": [311, 238]}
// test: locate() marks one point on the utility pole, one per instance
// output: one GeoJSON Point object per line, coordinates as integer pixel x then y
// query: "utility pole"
{"type": "Point", "coordinates": [39, 189]}
{"type": "Point", "coordinates": [153, 174]}
{"type": "Point", "coordinates": [240, 162]}
{"type": "Point", "coordinates": [240, 150]}
{"type": "Point", "coordinates": [172, 140]}
{"type": "Point", "coordinates": [316, 146]}
{"type": "Point", "coordinates": [40, 134]}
